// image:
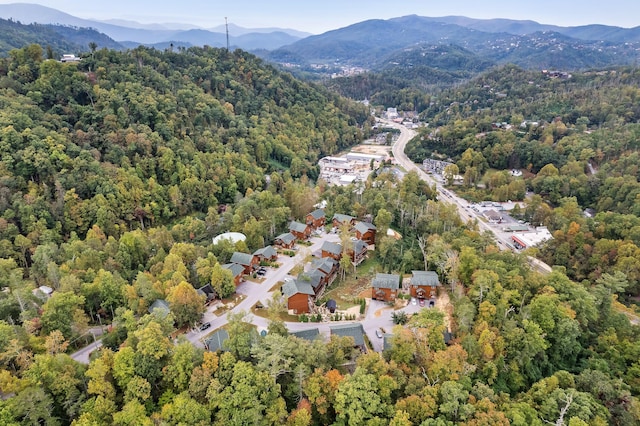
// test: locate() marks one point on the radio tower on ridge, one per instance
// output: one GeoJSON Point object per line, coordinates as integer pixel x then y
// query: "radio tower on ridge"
{"type": "Point", "coordinates": [226, 24]}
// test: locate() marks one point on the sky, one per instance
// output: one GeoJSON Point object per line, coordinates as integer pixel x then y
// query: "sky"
{"type": "Point", "coordinates": [323, 15]}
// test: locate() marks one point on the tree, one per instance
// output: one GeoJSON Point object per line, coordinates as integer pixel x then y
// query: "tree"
{"type": "Point", "coordinates": [252, 397]}
{"type": "Point", "coordinates": [242, 335]}
{"type": "Point", "coordinates": [186, 305]}
{"type": "Point", "coordinates": [63, 312]}
{"type": "Point", "coordinates": [222, 281]}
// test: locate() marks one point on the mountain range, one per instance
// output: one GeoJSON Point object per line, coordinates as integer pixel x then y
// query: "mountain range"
{"type": "Point", "coordinates": [129, 33]}
{"type": "Point", "coordinates": [377, 45]}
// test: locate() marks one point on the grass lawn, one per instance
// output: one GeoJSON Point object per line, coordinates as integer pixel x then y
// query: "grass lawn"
{"type": "Point", "coordinates": [346, 292]}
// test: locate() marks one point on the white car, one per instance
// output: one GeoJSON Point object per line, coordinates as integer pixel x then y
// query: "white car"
{"type": "Point", "coordinates": [414, 301]}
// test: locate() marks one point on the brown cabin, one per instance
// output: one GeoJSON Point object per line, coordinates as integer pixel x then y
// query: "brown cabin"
{"type": "Point", "coordinates": [316, 219]}
{"type": "Point", "coordinates": [301, 231]}
{"type": "Point", "coordinates": [384, 287]}
{"type": "Point", "coordinates": [366, 232]}
{"type": "Point", "coordinates": [424, 284]}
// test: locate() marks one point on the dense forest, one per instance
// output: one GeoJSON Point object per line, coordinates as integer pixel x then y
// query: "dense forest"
{"type": "Point", "coordinates": [115, 174]}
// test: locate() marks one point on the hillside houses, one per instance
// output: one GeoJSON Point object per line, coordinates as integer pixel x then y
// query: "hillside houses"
{"type": "Point", "coordinates": [424, 284]}
{"type": "Point", "coordinates": [384, 287]}
{"type": "Point", "coordinates": [301, 231]}
{"type": "Point", "coordinates": [246, 260]}
{"type": "Point", "coordinates": [285, 241]}
{"type": "Point", "coordinates": [366, 232]}
{"type": "Point", "coordinates": [316, 219]}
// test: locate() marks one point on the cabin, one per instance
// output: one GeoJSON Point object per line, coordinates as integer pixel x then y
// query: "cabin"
{"type": "Point", "coordinates": [237, 271]}
{"type": "Point", "coordinates": [358, 251]}
{"type": "Point", "coordinates": [314, 277]}
{"type": "Point", "coordinates": [285, 241]}
{"type": "Point", "coordinates": [355, 331]}
{"type": "Point", "coordinates": [160, 306]}
{"type": "Point", "coordinates": [316, 219]}
{"type": "Point", "coordinates": [216, 342]}
{"type": "Point", "coordinates": [208, 292]}
{"type": "Point", "coordinates": [310, 334]}
{"type": "Point", "coordinates": [301, 231]}
{"type": "Point", "coordinates": [331, 250]}
{"type": "Point", "coordinates": [328, 266]}
{"type": "Point", "coordinates": [299, 295]}
{"type": "Point", "coordinates": [266, 254]}
{"type": "Point", "coordinates": [384, 287]}
{"type": "Point", "coordinates": [248, 261]}
{"type": "Point", "coordinates": [424, 284]}
{"type": "Point", "coordinates": [340, 220]}
{"type": "Point", "coordinates": [366, 232]}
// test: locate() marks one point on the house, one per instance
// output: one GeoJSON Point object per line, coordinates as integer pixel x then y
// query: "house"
{"type": "Point", "coordinates": [354, 331]}
{"type": "Point", "coordinates": [331, 250]}
{"type": "Point", "coordinates": [424, 284]}
{"type": "Point", "coordinates": [316, 219]}
{"type": "Point", "coordinates": [236, 270]}
{"type": "Point", "coordinates": [314, 277]}
{"type": "Point", "coordinates": [246, 260]}
{"type": "Point", "coordinates": [366, 232]}
{"type": "Point", "coordinates": [161, 307]}
{"type": "Point", "coordinates": [385, 287]}
{"type": "Point", "coordinates": [328, 266]}
{"type": "Point", "coordinates": [310, 334]}
{"type": "Point", "coordinates": [69, 58]}
{"type": "Point", "coordinates": [208, 292]}
{"type": "Point", "coordinates": [301, 231]}
{"type": "Point", "coordinates": [299, 295]}
{"type": "Point", "coordinates": [492, 216]}
{"type": "Point", "coordinates": [216, 342]}
{"type": "Point", "coordinates": [43, 292]}
{"type": "Point", "coordinates": [358, 251]}
{"type": "Point", "coordinates": [342, 219]}
{"type": "Point", "coordinates": [285, 241]}
{"type": "Point", "coordinates": [266, 254]}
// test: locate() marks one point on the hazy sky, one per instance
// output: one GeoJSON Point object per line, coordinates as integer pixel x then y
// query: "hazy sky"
{"type": "Point", "coordinates": [322, 15]}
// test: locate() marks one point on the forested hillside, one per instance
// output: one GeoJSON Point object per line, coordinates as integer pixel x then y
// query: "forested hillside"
{"type": "Point", "coordinates": [117, 171]}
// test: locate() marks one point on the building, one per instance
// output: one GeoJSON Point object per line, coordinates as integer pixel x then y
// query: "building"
{"type": "Point", "coordinates": [492, 216]}
{"type": "Point", "coordinates": [355, 331]}
{"type": "Point", "coordinates": [160, 306]}
{"type": "Point", "coordinates": [299, 295]}
{"type": "Point", "coordinates": [232, 237]}
{"type": "Point", "coordinates": [331, 250]}
{"type": "Point", "coordinates": [285, 241]}
{"type": "Point", "coordinates": [424, 284]}
{"type": "Point", "coordinates": [384, 287]}
{"type": "Point", "coordinates": [339, 220]}
{"type": "Point", "coordinates": [327, 266]}
{"type": "Point", "coordinates": [315, 278]}
{"type": "Point", "coordinates": [358, 251]}
{"type": "Point", "coordinates": [316, 219]}
{"type": "Point", "coordinates": [69, 58]}
{"type": "Point", "coordinates": [359, 157]}
{"type": "Point", "coordinates": [366, 232]}
{"type": "Point", "coordinates": [246, 260]}
{"type": "Point", "coordinates": [216, 342]}
{"type": "Point", "coordinates": [208, 292]}
{"type": "Point", "coordinates": [310, 334]}
{"type": "Point", "coordinates": [266, 254]}
{"type": "Point", "coordinates": [237, 271]}
{"type": "Point", "coordinates": [531, 239]}
{"type": "Point", "coordinates": [301, 231]}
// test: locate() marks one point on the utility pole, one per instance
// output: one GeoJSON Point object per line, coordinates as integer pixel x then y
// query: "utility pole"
{"type": "Point", "coordinates": [226, 24]}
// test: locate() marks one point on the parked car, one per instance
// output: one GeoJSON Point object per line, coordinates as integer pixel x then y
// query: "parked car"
{"type": "Point", "coordinates": [204, 326]}
{"type": "Point", "coordinates": [414, 301]}
{"type": "Point", "coordinates": [421, 302]}
{"type": "Point", "coordinates": [378, 333]}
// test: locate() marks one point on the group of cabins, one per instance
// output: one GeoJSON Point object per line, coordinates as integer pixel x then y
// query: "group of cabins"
{"type": "Point", "coordinates": [302, 292]}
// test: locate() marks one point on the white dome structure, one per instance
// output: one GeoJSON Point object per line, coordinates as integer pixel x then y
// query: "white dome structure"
{"type": "Point", "coordinates": [233, 237]}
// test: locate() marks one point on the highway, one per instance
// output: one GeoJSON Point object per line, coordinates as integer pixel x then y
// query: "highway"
{"type": "Point", "coordinates": [466, 214]}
